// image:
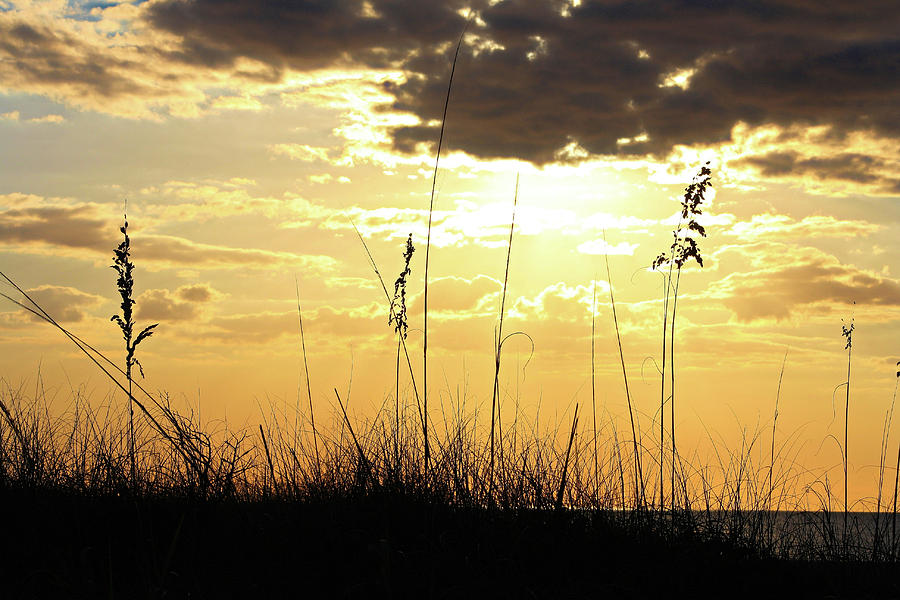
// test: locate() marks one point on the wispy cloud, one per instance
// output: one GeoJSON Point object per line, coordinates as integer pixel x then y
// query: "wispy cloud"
{"type": "Point", "coordinates": [46, 228]}
{"type": "Point", "coordinates": [782, 226]}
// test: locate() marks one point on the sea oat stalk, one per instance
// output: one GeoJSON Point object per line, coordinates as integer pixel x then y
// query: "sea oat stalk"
{"type": "Point", "coordinates": [847, 334]}
{"type": "Point", "coordinates": [397, 316]}
{"type": "Point", "coordinates": [124, 268]}
{"type": "Point", "coordinates": [684, 248]}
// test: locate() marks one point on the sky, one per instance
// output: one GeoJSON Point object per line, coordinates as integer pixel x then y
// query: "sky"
{"type": "Point", "coordinates": [248, 139]}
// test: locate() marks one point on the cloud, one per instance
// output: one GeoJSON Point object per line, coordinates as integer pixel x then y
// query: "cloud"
{"type": "Point", "coordinates": [460, 295]}
{"type": "Point", "coordinates": [304, 35]}
{"type": "Point", "coordinates": [559, 302]}
{"type": "Point", "coordinates": [209, 199]}
{"type": "Point", "coordinates": [17, 117]}
{"type": "Point", "coordinates": [198, 292]}
{"type": "Point", "coordinates": [533, 79]}
{"type": "Point", "coordinates": [54, 60]}
{"type": "Point", "coordinates": [603, 247]}
{"type": "Point", "coordinates": [782, 226]}
{"type": "Point", "coordinates": [42, 226]}
{"type": "Point", "coordinates": [114, 62]}
{"type": "Point", "coordinates": [256, 328]}
{"type": "Point", "coordinates": [322, 325]}
{"type": "Point", "coordinates": [64, 304]}
{"type": "Point", "coordinates": [177, 251]}
{"type": "Point", "coordinates": [76, 226]}
{"type": "Point", "coordinates": [853, 168]}
{"type": "Point", "coordinates": [608, 64]}
{"type": "Point", "coordinates": [468, 223]}
{"type": "Point", "coordinates": [243, 102]}
{"type": "Point", "coordinates": [811, 282]}
{"type": "Point", "coordinates": [53, 119]}
{"type": "Point", "coordinates": [302, 152]}
{"type": "Point", "coordinates": [184, 304]}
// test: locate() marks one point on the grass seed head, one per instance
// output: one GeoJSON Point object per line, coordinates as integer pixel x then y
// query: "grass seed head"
{"type": "Point", "coordinates": [124, 267]}
{"type": "Point", "coordinates": [397, 315]}
{"type": "Point", "coordinates": [847, 331]}
{"type": "Point", "coordinates": [684, 246]}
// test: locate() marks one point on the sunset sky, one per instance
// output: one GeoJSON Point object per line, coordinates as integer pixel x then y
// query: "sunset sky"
{"type": "Point", "coordinates": [246, 136]}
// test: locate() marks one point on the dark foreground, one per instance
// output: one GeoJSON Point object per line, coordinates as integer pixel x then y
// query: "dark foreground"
{"type": "Point", "coordinates": [65, 546]}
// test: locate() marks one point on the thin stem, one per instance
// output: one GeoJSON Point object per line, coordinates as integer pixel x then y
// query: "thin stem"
{"type": "Point", "coordinates": [846, 429]}
{"type": "Point", "coordinates": [437, 159]}
{"type": "Point", "coordinates": [312, 416]}
{"type": "Point", "coordinates": [896, 484]}
{"type": "Point", "coordinates": [495, 397]}
{"type": "Point", "coordinates": [562, 484]}
{"type": "Point", "coordinates": [131, 426]}
{"type": "Point", "coordinates": [397, 408]}
{"type": "Point", "coordinates": [634, 440]}
{"type": "Point", "coordinates": [772, 449]}
{"type": "Point", "coordinates": [672, 381]}
{"type": "Point", "coordinates": [662, 393]}
{"type": "Point", "coordinates": [594, 388]}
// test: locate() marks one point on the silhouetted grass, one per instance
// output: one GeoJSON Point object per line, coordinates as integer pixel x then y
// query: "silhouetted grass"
{"type": "Point", "coordinates": [154, 487]}
{"type": "Point", "coordinates": [231, 496]}
{"type": "Point", "coordinates": [124, 268]}
{"type": "Point", "coordinates": [101, 504]}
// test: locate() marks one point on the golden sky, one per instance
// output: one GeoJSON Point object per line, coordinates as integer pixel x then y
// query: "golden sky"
{"type": "Point", "coordinates": [247, 137]}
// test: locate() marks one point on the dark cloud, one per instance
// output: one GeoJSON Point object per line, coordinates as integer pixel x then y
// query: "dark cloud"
{"type": "Point", "coordinates": [847, 166]}
{"type": "Point", "coordinates": [68, 226]}
{"type": "Point", "coordinates": [592, 77]}
{"type": "Point", "coordinates": [39, 55]}
{"type": "Point", "coordinates": [304, 34]}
